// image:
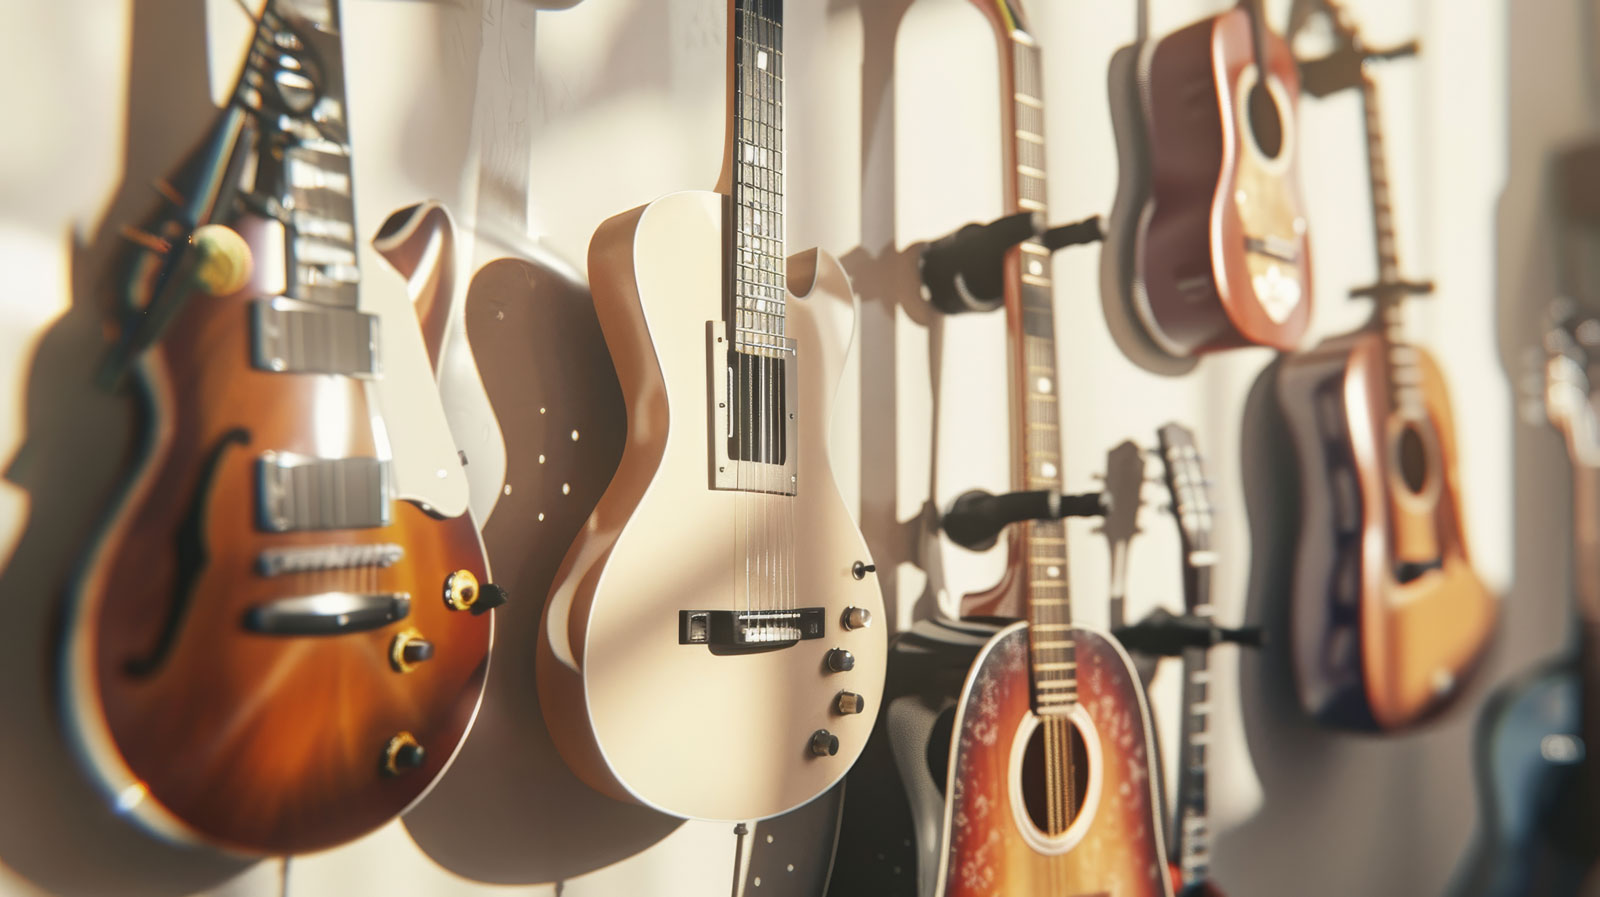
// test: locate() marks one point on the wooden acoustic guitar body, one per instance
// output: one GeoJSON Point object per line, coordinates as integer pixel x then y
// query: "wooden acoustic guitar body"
{"type": "Point", "coordinates": [1388, 615]}
{"type": "Point", "coordinates": [200, 726]}
{"type": "Point", "coordinates": [992, 845]}
{"type": "Point", "coordinates": [635, 713]}
{"type": "Point", "coordinates": [1202, 285]}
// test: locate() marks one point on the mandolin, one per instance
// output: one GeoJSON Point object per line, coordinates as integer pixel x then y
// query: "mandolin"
{"type": "Point", "coordinates": [1387, 612]}
{"type": "Point", "coordinates": [266, 651]}
{"type": "Point", "coordinates": [1024, 750]}
{"type": "Point", "coordinates": [1190, 838]}
{"type": "Point", "coordinates": [707, 646]}
{"type": "Point", "coordinates": [1222, 251]}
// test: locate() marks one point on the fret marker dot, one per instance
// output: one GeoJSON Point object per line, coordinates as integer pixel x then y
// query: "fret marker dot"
{"type": "Point", "coordinates": [566, 488]}
{"type": "Point", "coordinates": [761, 59]}
{"type": "Point", "coordinates": [1035, 267]}
{"type": "Point", "coordinates": [541, 410]}
{"type": "Point", "coordinates": [1047, 469]}
{"type": "Point", "coordinates": [1043, 385]}
{"type": "Point", "coordinates": [541, 515]}
{"type": "Point", "coordinates": [574, 435]}
{"type": "Point", "coordinates": [1052, 572]}
{"type": "Point", "coordinates": [541, 459]}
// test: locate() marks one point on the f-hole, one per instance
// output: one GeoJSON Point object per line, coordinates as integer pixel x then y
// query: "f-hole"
{"type": "Point", "coordinates": [1411, 455]}
{"type": "Point", "coordinates": [1035, 778]}
{"type": "Point", "coordinates": [1266, 123]}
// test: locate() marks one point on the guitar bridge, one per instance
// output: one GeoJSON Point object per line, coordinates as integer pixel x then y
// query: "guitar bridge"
{"type": "Point", "coordinates": [749, 629]}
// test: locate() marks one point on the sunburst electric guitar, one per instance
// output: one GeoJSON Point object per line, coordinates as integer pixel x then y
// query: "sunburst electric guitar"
{"type": "Point", "coordinates": [267, 651]}
{"type": "Point", "coordinates": [1388, 612]}
{"type": "Point", "coordinates": [708, 644]}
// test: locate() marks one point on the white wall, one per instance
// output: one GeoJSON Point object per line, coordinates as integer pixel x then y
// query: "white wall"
{"type": "Point", "coordinates": [893, 140]}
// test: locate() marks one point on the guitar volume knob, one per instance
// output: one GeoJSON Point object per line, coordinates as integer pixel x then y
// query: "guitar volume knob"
{"type": "Point", "coordinates": [857, 618]}
{"type": "Point", "coordinates": [849, 703]}
{"type": "Point", "coordinates": [408, 649]}
{"type": "Point", "coordinates": [841, 661]}
{"type": "Point", "coordinates": [403, 754]}
{"type": "Point", "coordinates": [461, 590]}
{"type": "Point", "coordinates": [824, 743]}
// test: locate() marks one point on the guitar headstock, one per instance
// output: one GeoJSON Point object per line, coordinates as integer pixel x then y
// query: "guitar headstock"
{"type": "Point", "coordinates": [1124, 479]}
{"type": "Point", "coordinates": [1345, 66]}
{"type": "Point", "coordinates": [1191, 493]}
{"type": "Point", "coordinates": [1572, 361]}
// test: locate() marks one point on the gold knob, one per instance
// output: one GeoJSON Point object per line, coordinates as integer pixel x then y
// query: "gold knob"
{"type": "Point", "coordinates": [224, 260]}
{"type": "Point", "coordinates": [408, 649]}
{"type": "Point", "coordinates": [461, 590]}
{"type": "Point", "coordinates": [403, 753]}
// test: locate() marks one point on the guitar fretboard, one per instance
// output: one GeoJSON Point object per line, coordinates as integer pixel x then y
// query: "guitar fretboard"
{"type": "Point", "coordinates": [1404, 376]}
{"type": "Point", "coordinates": [293, 84]}
{"type": "Point", "coordinates": [758, 294]}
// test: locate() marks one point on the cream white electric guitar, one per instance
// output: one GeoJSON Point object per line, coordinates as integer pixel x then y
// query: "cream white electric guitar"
{"type": "Point", "coordinates": [709, 646]}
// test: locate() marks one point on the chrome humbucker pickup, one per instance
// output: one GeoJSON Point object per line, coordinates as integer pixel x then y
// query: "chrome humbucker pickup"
{"type": "Point", "coordinates": [289, 336]}
{"type": "Point", "coordinates": [319, 558]}
{"type": "Point", "coordinates": [297, 492]}
{"type": "Point", "coordinates": [749, 629]}
{"type": "Point", "coordinates": [748, 419]}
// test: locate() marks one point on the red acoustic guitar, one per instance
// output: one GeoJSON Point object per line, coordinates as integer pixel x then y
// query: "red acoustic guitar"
{"type": "Point", "coordinates": [267, 651]}
{"type": "Point", "coordinates": [1222, 255]}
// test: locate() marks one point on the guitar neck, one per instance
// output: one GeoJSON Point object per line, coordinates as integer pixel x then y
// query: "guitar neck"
{"type": "Point", "coordinates": [758, 294]}
{"type": "Point", "coordinates": [1191, 835]}
{"type": "Point", "coordinates": [303, 173]}
{"type": "Point", "coordinates": [1388, 318]}
{"type": "Point", "coordinates": [1030, 324]}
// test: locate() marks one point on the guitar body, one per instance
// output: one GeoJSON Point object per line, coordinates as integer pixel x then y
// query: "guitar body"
{"type": "Point", "coordinates": [1388, 613]}
{"type": "Point", "coordinates": [636, 714]}
{"type": "Point", "coordinates": [992, 846]}
{"type": "Point", "coordinates": [1221, 176]}
{"type": "Point", "coordinates": [1528, 753]}
{"type": "Point", "coordinates": [199, 727]}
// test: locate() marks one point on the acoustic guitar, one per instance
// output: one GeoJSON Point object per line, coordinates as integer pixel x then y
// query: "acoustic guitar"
{"type": "Point", "coordinates": [1387, 614]}
{"type": "Point", "coordinates": [1025, 751]}
{"type": "Point", "coordinates": [708, 647]}
{"type": "Point", "coordinates": [1222, 254]}
{"type": "Point", "coordinates": [267, 652]}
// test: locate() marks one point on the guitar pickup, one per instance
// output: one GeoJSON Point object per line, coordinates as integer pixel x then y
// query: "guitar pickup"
{"type": "Point", "coordinates": [749, 629]}
{"type": "Point", "coordinates": [328, 613]}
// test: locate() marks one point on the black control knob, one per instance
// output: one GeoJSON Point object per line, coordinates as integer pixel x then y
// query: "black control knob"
{"type": "Point", "coordinates": [403, 754]}
{"type": "Point", "coordinates": [490, 596]}
{"type": "Point", "coordinates": [965, 271]}
{"type": "Point", "coordinates": [408, 649]}
{"type": "Point", "coordinates": [824, 743]}
{"type": "Point", "coordinates": [849, 702]}
{"type": "Point", "coordinates": [856, 618]}
{"type": "Point", "coordinates": [841, 661]}
{"type": "Point", "coordinates": [976, 518]}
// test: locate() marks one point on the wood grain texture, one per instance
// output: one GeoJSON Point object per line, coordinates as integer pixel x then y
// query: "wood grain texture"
{"type": "Point", "coordinates": [634, 713]}
{"type": "Point", "coordinates": [1373, 650]}
{"type": "Point", "coordinates": [1120, 853]}
{"type": "Point", "coordinates": [251, 742]}
{"type": "Point", "coordinates": [1212, 188]}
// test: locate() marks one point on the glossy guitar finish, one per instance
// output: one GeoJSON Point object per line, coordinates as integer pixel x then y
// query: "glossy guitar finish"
{"type": "Point", "coordinates": [635, 713]}
{"type": "Point", "coordinates": [199, 698]}
{"type": "Point", "coordinates": [1113, 847]}
{"type": "Point", "coordinates": [1223, 252]}
{"type": "Point", "coordinates": [1388, 613]}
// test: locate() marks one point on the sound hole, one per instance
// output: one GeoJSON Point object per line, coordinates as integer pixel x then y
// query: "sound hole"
{"type": "Point", "coordinates": [1040, 766]}
{"type": "Point", "coordinates": [1266, 125]}
{"type": "Point", "coordinates": [1413, 458]}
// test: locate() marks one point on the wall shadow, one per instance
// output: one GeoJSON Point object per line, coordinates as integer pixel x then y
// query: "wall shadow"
{"type": "Point", "coordinates": [77, 451]}
{"type": "Point", "coordinates": [1117, 273]}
